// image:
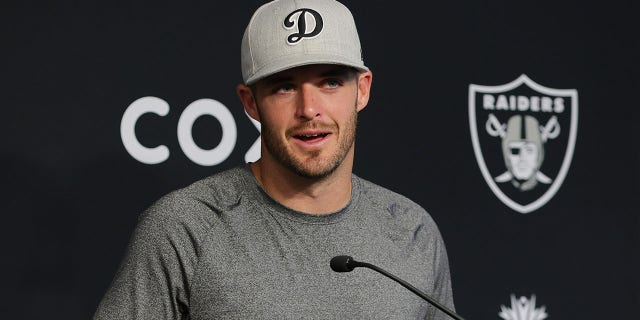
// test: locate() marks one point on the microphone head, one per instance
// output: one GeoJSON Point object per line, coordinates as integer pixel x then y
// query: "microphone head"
{"type": "Point", "coordinates": [342, 264]}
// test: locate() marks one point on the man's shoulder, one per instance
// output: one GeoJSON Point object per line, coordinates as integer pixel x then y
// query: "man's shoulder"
{"type": "Point", "coordinates": [227, 184]}
{"type": "Point", "coordinates": [394, 204]}
{"type": "Point", "coordinates": [202, 199]}
{"type": "Point", "coordinates": [382, 195]}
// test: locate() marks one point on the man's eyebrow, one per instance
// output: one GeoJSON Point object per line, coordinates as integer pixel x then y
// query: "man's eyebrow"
{"type": "Point", "coordinates": [276, 79]}
{"type": "Point", "coordinates": [338, 72]}
{"type": "Point", "coordinates": [334, 72]}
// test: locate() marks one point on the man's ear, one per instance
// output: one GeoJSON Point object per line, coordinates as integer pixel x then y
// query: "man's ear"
{"type": "Point", "coordinates": [364, 89]}
{"type": "Point", "coordinates": [248, 101]}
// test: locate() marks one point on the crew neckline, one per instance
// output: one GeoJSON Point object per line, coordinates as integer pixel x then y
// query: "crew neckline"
{"type": "Point", "coordinates": [309, 218]}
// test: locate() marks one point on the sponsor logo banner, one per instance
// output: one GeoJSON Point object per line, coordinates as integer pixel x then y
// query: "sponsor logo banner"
{"type": "Point", "coordinates": [523, 309]}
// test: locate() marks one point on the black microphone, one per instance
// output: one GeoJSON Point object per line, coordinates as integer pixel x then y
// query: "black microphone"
{"type": "Point", "coordinates": [347, 264]}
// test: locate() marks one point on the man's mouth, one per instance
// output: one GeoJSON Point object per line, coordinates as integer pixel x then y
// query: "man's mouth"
{"type": "Point", "coordinates": [311, 137]}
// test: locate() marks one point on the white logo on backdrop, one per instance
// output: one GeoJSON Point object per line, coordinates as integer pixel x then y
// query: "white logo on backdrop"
{"type": "Point", "coordinates": [523, 137]}
{"type": "Point", "coordinates": [198, 108]}
{"type": "Point", "coordinates": [522, 309]}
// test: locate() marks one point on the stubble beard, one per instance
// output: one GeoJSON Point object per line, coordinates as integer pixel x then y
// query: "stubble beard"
{"type": "Point", "coordinates": [312, 165]}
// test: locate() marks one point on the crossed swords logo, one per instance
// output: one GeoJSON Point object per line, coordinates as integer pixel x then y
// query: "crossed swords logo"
{"type": "Point", "coordinates": [523, 142]}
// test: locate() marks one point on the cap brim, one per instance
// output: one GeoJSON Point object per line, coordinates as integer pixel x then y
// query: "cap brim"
{"type": "Point", "coordinates": [297, 60]}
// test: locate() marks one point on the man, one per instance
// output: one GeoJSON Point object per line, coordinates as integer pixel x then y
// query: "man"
{"type": "Point", "coordinates": [255, 242]}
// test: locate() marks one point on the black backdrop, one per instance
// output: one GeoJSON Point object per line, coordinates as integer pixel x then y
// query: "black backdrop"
{"type": "Point", "coordinates": [71, 193]}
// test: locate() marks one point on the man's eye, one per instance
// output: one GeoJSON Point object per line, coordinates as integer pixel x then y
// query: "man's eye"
{"type": "Point", "coordinates": [284, 88]}
{"type": "Point", "coordinates": [333, 83]}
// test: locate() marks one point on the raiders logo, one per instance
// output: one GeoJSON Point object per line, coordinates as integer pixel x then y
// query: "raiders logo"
{"type": "Point", "coordinates": [523, 137]}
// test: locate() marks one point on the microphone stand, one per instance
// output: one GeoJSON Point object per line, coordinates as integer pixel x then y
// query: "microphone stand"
{"type": "Point", "coordinates": [411, 288]}
{"type": "Point", "coordinates": [347, 264]}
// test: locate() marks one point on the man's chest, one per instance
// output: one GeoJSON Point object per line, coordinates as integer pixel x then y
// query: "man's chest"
{"type": "Point", "coordinates": [274, 284]}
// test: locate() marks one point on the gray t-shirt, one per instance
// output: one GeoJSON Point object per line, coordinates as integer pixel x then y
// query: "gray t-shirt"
{"type": "Point", "coordinates": [221, 248]}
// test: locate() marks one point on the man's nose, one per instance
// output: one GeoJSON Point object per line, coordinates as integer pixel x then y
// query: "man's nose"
{"type": "Point", "coordinates": [309, 102]}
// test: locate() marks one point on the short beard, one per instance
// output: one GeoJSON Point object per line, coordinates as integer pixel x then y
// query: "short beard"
{"type": "Point", "coordinates": [311, 169]}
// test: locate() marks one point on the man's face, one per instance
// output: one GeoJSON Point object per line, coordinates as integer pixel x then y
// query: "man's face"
{"type": "Point", "coordinates": [308, 117]}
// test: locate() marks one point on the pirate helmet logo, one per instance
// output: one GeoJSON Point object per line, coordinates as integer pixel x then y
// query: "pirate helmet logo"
{"type": "Point", "coordinates": [525, 157]}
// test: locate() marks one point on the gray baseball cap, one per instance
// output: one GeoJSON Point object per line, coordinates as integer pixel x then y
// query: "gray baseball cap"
{"type": "Point", "coordinates": [284, 34]}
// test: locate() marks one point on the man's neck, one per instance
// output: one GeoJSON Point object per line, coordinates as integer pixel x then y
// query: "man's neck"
{"type": "Point", "coordinates": [314, 196]}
